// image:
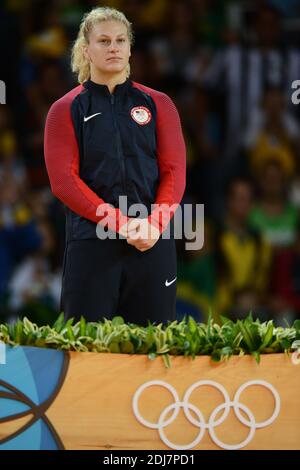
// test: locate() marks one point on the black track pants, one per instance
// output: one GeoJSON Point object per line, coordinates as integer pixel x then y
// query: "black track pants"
{"type": "Point", "coordinates": [104, 278]}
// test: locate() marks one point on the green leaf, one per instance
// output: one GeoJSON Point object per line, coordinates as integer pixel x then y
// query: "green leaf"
{"type": "Point", "coordinates": [117, 321]}
{"type": "Point", "coordinates": [268, 336]}
{"type": "Point", "coordinates": [296, 325]}
{"type": "Point", "coordinates": [285, 343]}
{"type": "Point", "coordinates": [192, 325]}
{"type": "Point", "coordinates": [256, 355]}
{"type": "Point", "coordinates": [18, 332]}
{"type": "Point", "coordinates": [58, 325]}
{"type": "Point", "coordinates": [166, 359]}
{"type": "Point", "coordinates": [296, 344]}
{"type": "Point", "coordinates": [225, 320]}
{"type": "Point", "coordinates": [216, 356]}
{"type": "Point", "coordinates": [69, 323]}
{"type": "Point", "coordinates": [82, 326]}
{"type": "Point", "coordinates": [70, 333]}
{"type": "Point", "coordinates": [250, 334]}
{"type": "Point", "coordinates": [226, 351]}
{"type": "Point", "coordinates": [114, 348]}
{"type": "Point", "coordinates": [127, 347]}
{"type": "Point", "coordinates": [250, 317]}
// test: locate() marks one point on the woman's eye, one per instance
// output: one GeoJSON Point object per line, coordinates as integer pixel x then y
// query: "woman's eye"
{"type": "Point", "coordinates": [107, 41]}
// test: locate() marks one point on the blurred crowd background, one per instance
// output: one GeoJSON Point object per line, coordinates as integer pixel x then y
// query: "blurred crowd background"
{"type": "Point", "coordinates": [229, 66]}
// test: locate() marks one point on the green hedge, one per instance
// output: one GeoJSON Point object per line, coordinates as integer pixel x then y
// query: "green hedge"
{"type": "Point", "coordinates": [186, 337]}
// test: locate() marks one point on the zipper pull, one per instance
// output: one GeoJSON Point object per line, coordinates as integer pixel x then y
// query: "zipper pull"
{"type": "Point", "coordinates": [112, 99]}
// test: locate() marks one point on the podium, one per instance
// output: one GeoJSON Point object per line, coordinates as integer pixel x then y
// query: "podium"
{"type": "Point", "coordinates": [52, 399]}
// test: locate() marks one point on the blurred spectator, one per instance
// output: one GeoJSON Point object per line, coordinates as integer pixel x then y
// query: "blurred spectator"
{"type": "Point", "coordinates": [205, 171]}
{"type": "Point", "coordinates": [273, 215]}
{"type": "Point", "coordinates": [34, 289]}
{"type": "Point", "coordinates": [49, 39]}
{"type": "Point", "coordinates": [40, 95]}
{"type": "Point", "coordinates": [19, 235]}
{"type": "Point", "coordinates": [273, 133]}
{"type": "Point", "coordinates": [11, 165]}
{"type": "Point", "coordinates": [209, 17]}
{"type": "Point", "coordinates": [243, 256]}
{"type": "Point", "coordinates": [174, 50]}
{"type": "Point", "coordinates": [240, 73]}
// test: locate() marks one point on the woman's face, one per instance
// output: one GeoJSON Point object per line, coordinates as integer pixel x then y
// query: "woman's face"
{"type": "Point", "coordinates": [109, 48]}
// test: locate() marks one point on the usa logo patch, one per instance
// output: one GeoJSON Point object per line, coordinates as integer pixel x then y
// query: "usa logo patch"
{"type": "Point", "coordinates": [141, 115]}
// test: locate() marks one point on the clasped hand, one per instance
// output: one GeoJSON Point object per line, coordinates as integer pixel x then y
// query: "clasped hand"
{"type": "Point", "coordinates": [140, 233]}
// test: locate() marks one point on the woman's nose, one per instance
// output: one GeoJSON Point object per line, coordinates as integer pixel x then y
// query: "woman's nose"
{"type": "Point", "coordinates": [113, 46]}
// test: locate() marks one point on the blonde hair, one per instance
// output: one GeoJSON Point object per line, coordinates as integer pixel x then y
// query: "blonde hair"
{"type": "Point", "coordinates": [79, 62]}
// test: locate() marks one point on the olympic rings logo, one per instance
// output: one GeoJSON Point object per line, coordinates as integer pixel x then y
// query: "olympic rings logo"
{"type": "Point", "coordinates": [212, 421]}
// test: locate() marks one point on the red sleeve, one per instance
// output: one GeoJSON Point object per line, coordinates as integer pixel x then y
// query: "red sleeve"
{"type": "Point", "coordinates": [62, 162]}
{"type": "Point", "coordinates": [171, 154]}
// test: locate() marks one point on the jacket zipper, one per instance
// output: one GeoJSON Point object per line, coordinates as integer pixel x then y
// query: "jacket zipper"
{"type": "Point", "coordinates": [119, 147]}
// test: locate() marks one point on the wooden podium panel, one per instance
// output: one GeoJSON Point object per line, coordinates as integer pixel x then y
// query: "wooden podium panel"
{"type": "Point", "coordinates": [94, 409]}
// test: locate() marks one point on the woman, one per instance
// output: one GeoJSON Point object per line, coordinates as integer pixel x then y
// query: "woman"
{"type": "Point", "coordinates": [106, 138]}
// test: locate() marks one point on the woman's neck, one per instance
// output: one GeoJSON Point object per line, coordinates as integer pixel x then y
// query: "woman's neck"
{"type": "Point", "coordinates": [109, 80]}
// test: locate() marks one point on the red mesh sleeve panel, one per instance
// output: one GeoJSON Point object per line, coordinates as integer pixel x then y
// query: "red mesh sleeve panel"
{"type": "Point", "coordinates": [62, 162]}
{"type": "Point", "coordinates": [171, 154]}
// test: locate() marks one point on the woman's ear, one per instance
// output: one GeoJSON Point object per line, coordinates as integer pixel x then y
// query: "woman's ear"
{"type": "Point", "coordinates": [86, 53]}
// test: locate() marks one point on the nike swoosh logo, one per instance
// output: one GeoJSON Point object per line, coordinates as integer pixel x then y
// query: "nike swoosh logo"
{"type": "Point", "coordinates": [90, 117]}
{"type": "Point", "coordinates": [167, 283]}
